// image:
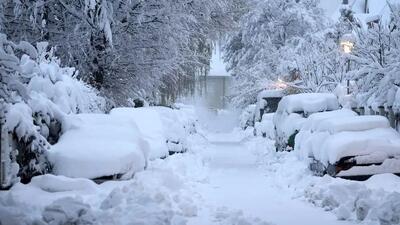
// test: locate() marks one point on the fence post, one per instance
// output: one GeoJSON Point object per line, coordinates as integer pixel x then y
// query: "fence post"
{"type": "Point", "coordinates": [362, 111]}
{"type": "Point", "coordinates": [356, 110]}
{"type": "Point", "coordinates": [382, 111]}
{"type": "Point", "coordinates": [371, 111]}
{"type": "Point", "coordinates": [391, 117]}
{"type": "Point", "coordinates": [3, 146]}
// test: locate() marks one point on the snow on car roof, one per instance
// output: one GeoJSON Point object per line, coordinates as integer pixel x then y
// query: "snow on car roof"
{"type": "Point", "coordinates": [357, 123]}
{"type": "Point", "coordinates": [315, 119]}
{"type": "Point", "coordinates": [361, 143]}
{"type": "Point", "coordinates": [308, 102]}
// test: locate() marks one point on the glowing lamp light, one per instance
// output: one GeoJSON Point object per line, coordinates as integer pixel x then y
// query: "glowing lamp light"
{"type": "Point", "coordinates": [347, 46]}
{"type": "Point", "coordinates": [280, 84]}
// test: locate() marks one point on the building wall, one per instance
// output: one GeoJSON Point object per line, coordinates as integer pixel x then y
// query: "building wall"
{"type": "Point", "coordinates": [214, 91]}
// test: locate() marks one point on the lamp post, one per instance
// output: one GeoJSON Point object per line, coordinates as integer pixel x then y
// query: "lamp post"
{"type": "Point", "coordinates": [347, 44]}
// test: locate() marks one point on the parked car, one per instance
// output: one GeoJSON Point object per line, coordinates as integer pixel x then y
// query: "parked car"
{"type": "Point", "coordinates": [342, 144]}
{"type": "Point", "coordinates": [292, 113]}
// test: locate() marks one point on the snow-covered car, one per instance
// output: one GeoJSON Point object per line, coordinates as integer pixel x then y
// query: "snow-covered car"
{"type": "Point", "coordinates": [292, 113]}
{"type": "Point", "coordinates": [99, 146]}
{"type": "Point", "coordinates": [267, 102]}
{"type": "Point", "coordinates": [342, 144]}
{"type": "Point", "coordinates": [162, 127]}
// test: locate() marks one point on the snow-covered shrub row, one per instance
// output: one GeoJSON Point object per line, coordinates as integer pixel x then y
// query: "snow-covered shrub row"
{"type": "Point", "coordinates": [36, 95]}
{"type": "Point", "coordinates": [376, 201]}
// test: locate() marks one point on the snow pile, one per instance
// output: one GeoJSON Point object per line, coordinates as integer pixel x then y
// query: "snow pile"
{"type": "Point", "coordinates": [224, 216]}
{"type": "Point", "coordinates": [368, 201]}
{"type": "Point", "coordinates": [68, 210]}
{"type": "Point", "coordinates": [97, 145]}
{"type": "Point", "coordinates": [265, 128]}
{"type": "Point", "coordinates": [51, 183]}
{"type": "Point", "coordinates": [161, 195]}
{"type": "Point", "coordinates": [36, 93]}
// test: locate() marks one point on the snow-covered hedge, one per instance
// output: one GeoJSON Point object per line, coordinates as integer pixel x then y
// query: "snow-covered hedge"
{"type": "Point", "coordinates": [36, 95]}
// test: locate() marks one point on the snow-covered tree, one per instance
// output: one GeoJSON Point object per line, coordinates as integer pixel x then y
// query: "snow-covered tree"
{"type": "Point", "coordinates": [36, 93]}
{"type": "Point", "coordinates": [268, 38]}
{"type": "Point", "coordinates": [376, 59]}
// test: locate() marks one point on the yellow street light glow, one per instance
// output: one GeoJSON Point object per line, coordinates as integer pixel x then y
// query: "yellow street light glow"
{"type": "Point", "coordinates": [347, 46]}
{"type": "Point", "coordinates": [280, 84]}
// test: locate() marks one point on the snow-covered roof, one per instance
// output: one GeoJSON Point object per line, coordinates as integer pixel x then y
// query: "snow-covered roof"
{"type": "Point", "coordinates": [217, 65]}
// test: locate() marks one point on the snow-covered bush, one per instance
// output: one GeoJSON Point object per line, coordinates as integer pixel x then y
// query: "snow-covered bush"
{"type": "Point", "coordinates": [265, 127]}
{"type": "Point", "coordinates": [37, 93]}
{"type": "Point", "coordinates": [247, 116]}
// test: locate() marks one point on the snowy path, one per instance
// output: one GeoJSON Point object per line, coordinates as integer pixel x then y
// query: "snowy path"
{"type": "Point", "coordinates": [237, 183]}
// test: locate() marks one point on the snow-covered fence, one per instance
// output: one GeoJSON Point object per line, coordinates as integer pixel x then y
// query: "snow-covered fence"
{"type": "Point", "coordinates": [388, 112]}
{"type": "Point", "coordinates": [5, 162]}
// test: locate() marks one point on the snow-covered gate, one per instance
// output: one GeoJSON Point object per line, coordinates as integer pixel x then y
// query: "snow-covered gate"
{"type": "Point", "coordinates": [3, 149]}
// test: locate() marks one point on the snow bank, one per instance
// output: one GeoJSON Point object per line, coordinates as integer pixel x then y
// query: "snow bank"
{"type": "Point", "coordinates": [97, 145]}
{"type": "Point", "coordinates": [52, 183]}
{"type": "Point", "coordinates": [160, 195]}
{"type": "Point", "coordinates": [358, 201]}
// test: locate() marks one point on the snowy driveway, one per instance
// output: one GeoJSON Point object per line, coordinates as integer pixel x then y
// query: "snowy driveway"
{"type": "Point", "coordinates": [236, 182]}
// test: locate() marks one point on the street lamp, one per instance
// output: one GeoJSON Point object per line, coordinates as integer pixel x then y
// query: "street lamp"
{"type": "Point", "coordinates": [347, 44]}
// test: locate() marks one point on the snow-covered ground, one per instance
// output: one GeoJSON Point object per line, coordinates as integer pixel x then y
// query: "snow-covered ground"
{"type": "Point", "coordinates": [226, 178]}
